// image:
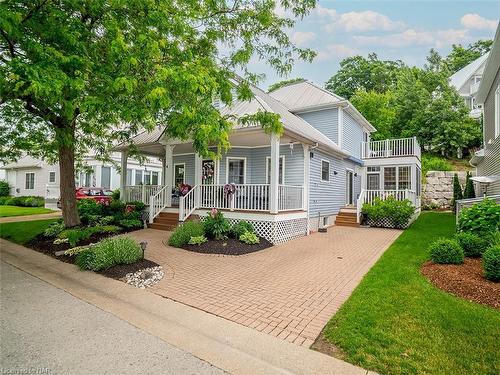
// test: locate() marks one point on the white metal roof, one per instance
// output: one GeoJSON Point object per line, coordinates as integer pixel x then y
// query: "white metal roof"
{"type": "Point", "coordinates": [461, 77]}
{"type": "Point", "coordinates": [304, 94]}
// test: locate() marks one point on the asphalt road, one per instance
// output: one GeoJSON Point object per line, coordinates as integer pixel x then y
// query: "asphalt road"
{"type": "Point", "coordinates": [44, 330]}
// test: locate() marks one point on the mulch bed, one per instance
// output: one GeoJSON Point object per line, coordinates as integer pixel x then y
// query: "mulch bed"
{"type": "Point", "coordinates": [464, 280]}
{"type": "Point", "coordinates": [230, 246]}
{"type": "Point", "coordinates": [119, 271]}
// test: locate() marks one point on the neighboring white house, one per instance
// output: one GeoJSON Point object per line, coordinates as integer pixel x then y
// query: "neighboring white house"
{"type": "Point", "coordinates": [466, 82]}
{"type": "Point", "coordinates": [323, 164]}
{"type": "Point", "coordinates": [29, 176]}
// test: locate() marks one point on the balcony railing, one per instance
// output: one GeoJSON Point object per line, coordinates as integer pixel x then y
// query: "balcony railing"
{"type": "Point", "coordinates": [390, 148]}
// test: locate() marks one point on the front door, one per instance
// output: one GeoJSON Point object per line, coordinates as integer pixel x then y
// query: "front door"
{"type": "Point", "coordinates": [349, 187]}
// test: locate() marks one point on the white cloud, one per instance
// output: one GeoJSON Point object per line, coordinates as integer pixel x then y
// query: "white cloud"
{"type": "Point", "coordinates": [322, 12]}
{"type": "Point", "coordinates": [475, 21]}
{"type": "Point", "coordinates": [412, 37]}
{"type": "Point", "coordinates": [335, 50]}
{"type": "Point", "coordinates": [302, 38]}
{"type": "Point", "coordinates": [363, 22]}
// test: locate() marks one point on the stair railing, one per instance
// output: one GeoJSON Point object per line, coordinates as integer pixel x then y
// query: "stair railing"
{"type": "Point", "coordinates": [359, 205]}
{"type": "Point", "coordinates": [188, 203]}
{"type": "Point", "coordinates": [158, 202]}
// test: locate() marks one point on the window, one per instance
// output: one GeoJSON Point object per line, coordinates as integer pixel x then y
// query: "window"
{"type": "Point", "coordinates": [129, 177]}
{"type": "Point", "coordinates": [138, 177]}
{"type": "Point", "coordinates": [147, 178]}
{"type": "Point", "coordinates": [30, 181]}
{"type": "Point", "coordinates": [390, 178]}
{"type": "Point", "coordinates": [106, 177]}
{"type": "Point", "coordinates": [52, 177]}
{"type": "Point", "coordinates": [179, 174]}
{"type": "Point", "coordinates": [86, 179]}
{"type": "Point", "coordinates": [373, 181]}
{"type": "Point", "coordinates": [281, 180]}
{"type": "Point", "coordinates": [419, 181]}
{"type": "Point", "coordinates": [235, 171]}
{"type": "Point", "coordinates": [404, 178]}
{"type": "Point", "coordinates": [373, 169]}
{"type": "Point", "coordinates": [154, 178]}
{"type": "Point", "coordinates": [497, 111]}
{"type": "Point", "coordinates": [325, 170]}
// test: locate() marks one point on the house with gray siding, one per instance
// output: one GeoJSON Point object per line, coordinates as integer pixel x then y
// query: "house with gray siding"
{"type": "Point", "coordinates": [319, 172]}
{"type": "Point", "coordinates": [487, 160]}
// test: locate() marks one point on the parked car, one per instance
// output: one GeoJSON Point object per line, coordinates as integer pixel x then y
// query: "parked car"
{"type": "Point", "coordinates": [100, 195]}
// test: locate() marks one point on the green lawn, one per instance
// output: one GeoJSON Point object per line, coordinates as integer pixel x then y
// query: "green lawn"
{"type": "Point", "coordinates": [23, 231]}
{"type": "Point", "coordinates": [396, 322]}
{"type": "Point", "coordinates": [7, 211]}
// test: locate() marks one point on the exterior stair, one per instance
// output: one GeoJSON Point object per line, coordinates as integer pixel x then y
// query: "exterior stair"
{"type": "Point", "coordinates": [346, 217]}
{"type": "Point", "coordinates": [165, 221]}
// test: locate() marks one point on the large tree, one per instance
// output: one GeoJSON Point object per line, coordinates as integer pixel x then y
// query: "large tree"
{"type": "Point", "coordinates": [461, 56]}
{"type": "Point", "coordinates": [359, 73]}
{"type": "Point", "coordinates": [79, 74]}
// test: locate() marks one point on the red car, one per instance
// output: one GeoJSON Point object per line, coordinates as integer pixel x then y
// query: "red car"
{"type": "Point", "coordinates": [100, 195]}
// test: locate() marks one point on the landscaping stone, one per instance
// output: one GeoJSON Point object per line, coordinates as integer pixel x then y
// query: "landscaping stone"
{"type": "Point", "coordinates": [145, 278]}
{"type": "Point", "coordinates": [437, 191]}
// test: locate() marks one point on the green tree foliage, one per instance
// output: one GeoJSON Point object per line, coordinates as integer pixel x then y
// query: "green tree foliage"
{"type": "Point", "coordinates": [469, 191]}
{"type": "Point", "coordinates": [359, 73]}
{"type": "Point", "coordinates": [378, 108]}
{"type": "Point", "coordinates": [277, 85]}
{"type": "Point", "coordinates": [461, 56]}
{"type": "Point", "coordinates": [78, 74]}
{"type": "Point", "coordinates": [457, 191]}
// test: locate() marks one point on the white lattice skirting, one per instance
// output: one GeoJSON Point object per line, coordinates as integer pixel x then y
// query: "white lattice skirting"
{"type": "Point", "coordinates": [276, 231]}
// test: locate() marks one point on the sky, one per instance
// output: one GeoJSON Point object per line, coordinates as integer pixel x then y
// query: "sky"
{"type": "Point", "coordinates": [404, 30]}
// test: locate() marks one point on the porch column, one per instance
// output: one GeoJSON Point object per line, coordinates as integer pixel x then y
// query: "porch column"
{"type": "Point", "coordinates": [168, 172]}
{"type": "Point", "coordinates": [198, 176]}
{"type": "Point", "coordinates": [274, 178]}
{"type": "Point", "coordinates": [123, 174]}
{"type": "Point", "coordinates": [305, 196]}
{"type": "Point", "coordinates": [163, 175]}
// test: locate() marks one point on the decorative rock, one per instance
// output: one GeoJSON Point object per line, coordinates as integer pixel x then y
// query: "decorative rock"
{"type": "Point", "coordinates": [145, 278]}
{"type": "Point", "coordinates": [437, 191]}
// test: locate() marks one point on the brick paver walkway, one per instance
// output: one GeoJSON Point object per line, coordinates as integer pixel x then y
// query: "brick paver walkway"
{"type": "Point", "coordinates": [289, 291]}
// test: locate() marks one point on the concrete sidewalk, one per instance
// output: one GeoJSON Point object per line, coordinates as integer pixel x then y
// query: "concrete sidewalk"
{"type": "Point", "coordinates": [13, 219]}
{"type": "Point", "coordinates": [226, 345]}
{"type": "Point", "coordinates": [43, 327]}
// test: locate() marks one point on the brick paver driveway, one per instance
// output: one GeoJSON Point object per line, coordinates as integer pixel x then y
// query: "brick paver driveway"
{"type": "Point", "coordinates": [289, 291]}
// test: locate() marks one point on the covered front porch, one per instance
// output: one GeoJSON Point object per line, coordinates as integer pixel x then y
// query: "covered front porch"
{"type": "Point", "coordinates": [260, 174]}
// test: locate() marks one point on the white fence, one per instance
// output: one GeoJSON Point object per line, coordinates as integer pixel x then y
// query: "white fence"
{"type": "Point", "coordinates": [389, 148]}
{"type": "Point", "coordinates": [464, 203]}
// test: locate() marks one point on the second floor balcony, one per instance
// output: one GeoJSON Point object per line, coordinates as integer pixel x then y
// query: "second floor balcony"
{"type": "Point", "coordinates": [390, 148]}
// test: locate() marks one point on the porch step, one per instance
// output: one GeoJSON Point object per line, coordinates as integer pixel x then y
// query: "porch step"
{"type": "Point", "coordinates": [165, 221]}
{"type": "Point", "coordinates": [166, 227]}
{"type": "Point", "coordinates": [346, 218]}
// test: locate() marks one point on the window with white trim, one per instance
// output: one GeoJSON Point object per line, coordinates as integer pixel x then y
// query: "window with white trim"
{"type": "Point", "coordinates": [129, 177]}
{"type": "Point", "coordinates": [281, 171]}
{"type": "Point", "coordinates": [325, 170]}
{"type": "Point", "coordinates": [138, 177]}
{"type": "Point", "coordinates": [52, 177]}
{"type": "Point", "coordinates": [404, 178]}
{"type": "Point", "coordinates": [179, 174]}
{"type": "Point", "coordinates": [497, 111]}
{"type": "Point", "coordinates": [235, 171]}
{"type": "Point", "coordinates": [390, 181]}
{"type": "Point", "coordinates": [147, 177]}
{"type": "Point", "coordinates": [154, 178]}
{"type": "Point", "coordinates": [30, 181]}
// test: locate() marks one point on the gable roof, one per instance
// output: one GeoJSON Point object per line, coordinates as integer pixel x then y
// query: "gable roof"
{"type": "Point", "coordinates": [490, 70]}
{"type": "Point", "coordinates": [304, 94]}
{"type": "Point", "coordinates": [460, 78]}
{"type": "Point", "coordinates": [24, 162]}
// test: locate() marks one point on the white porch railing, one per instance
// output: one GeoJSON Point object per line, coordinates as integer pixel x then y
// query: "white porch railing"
{"type": "Point", "coordinates": [158, 202]}
{"type": "Point", "coordinates": [369, 196]}
{"type": "Point", "coordinates": [141, 193]}
{"type": "Point", "coordinates": [290, 197]}
{"type": "Point", "coordinates": [389, 148]}
{"type": "Point", "coordinates": [187, 203]}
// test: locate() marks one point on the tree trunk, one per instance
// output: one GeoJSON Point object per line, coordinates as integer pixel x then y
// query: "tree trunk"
{"type": "Point", "coordinates": [66, 144]}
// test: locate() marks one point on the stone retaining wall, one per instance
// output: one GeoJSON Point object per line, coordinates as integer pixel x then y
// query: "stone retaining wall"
{"type": "Point", "coordinates": [437, 190]}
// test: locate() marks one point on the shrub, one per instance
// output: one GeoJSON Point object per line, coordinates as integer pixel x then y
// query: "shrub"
{"type": "Point", "coordinates": [491, 263]}
{"type": "Point", "coordinates": [3, 200]}
{"type": "Point", "coordinates": [197, 240]}
{"type": "Point", "coordinates": [472, 244]}
{"type": "Point", "coordinates": [116, 195]}
{"type": "Point", "coordinates": [131, 223]}
{"type": "Point", "coordinates": [4, 188]}
{"type": "Point", "coordinates": [25, 201]}
{"type": "Point", "coordinates": [469, 191]}
{"type": "Point", "coordinates": [75, 235]}
{"type": "Point", "coordinates": [107, 229]}
{"type": "Point", "coordinates": [457, 192]}
{"type": "Point", "coordinates": [110, 252]}
{"type": "Point", "coordinates": [184, 232]}
{"type": "Point", "coordinates": [446, 251]}
{"type": "Point", "coordinates": [216, 225]}
{"type": "Point", "coordinates": [483, 217]}
{"type": "Point", "coordinates": [241, 227]}
{"type": "Point", "coordinates": [89, 210]}
{"type": "Point", "coordinates": [106, 220]}
{"type": "Point", "coordinates": [249, 238]}
{"type": "Point", "coordinates": [434, 163]}
{"type": "Point", "coordinates": [396, 213]}
{"type": "Point", "coordinates": [54, 229]}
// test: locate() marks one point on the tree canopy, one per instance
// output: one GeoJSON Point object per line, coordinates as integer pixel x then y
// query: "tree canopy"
{"type": "Point", "coordinates": [277, 85]}
{"type": "Point", "coordinates": [76, 75]}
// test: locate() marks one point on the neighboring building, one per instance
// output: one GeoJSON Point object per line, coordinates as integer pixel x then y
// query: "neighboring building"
{"type": "Point", "coordinates": [487, 160]}
{"type": "Point", "coordinates": [323, 164]}
{"type": "Point", "coordinates": [466, 81]}
{"type": "Point", "coordinates": [29, 176]}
